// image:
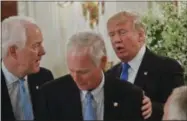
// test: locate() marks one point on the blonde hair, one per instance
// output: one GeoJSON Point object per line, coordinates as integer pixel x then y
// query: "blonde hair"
{"type": "Point", "coordinates": [125, 16]}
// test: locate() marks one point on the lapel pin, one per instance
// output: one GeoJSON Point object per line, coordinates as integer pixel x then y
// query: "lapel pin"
{"type": "Point", "coordinates": [145, 73]}
{"type": "Point", "coordinates": [115, 104]}
{"type": "Point", "coordinates": [37, 87]}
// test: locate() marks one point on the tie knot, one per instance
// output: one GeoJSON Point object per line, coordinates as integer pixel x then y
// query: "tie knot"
{"type": "Point", "coordinates": [21, 80]}
{"type": "Point", "coordinates": [89, 96]}
{"type": "Point", "coordinates": [125, 66]}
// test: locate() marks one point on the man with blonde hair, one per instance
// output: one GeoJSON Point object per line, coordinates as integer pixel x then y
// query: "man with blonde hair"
{"type": "Point", "coordinates": [154, 74]}
{"type": "Point", "coordinates": [176, 105]}
{"type": "Point", "coordinates": [21, 74]}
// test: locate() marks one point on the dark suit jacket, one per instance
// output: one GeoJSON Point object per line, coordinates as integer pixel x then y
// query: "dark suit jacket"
{"type": "Point", "coordinates": [60, 100]}
{"type": "Point", "coordinates": [157, 76]}
{"type": "Point", "coordinates": [34, 80]}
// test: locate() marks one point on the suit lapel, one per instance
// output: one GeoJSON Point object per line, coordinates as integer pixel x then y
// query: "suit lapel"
{"type": "Point", "coordinates": [118, 70]}
{"type": "Point", "coordinates": [31, 87]}
{"type": "Point", "coordinates": [33, 91]}
{"type": "Point", "coordinates": [144, 70]}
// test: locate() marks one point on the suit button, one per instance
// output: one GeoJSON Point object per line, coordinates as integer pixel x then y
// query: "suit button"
{"type": "Point", "coordinates": [145, 73]}
{"type": "Point", "coordinates": [37, 87]}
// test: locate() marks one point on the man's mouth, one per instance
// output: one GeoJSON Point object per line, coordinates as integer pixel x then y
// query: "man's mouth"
{"type": "Point", "coordinates": [119, 49]}
{"type": "Point", "coordinates": [38, 61]}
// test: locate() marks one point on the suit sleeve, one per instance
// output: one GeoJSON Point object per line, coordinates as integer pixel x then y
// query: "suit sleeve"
{"type": "Point", "coordinates": [137, 99]}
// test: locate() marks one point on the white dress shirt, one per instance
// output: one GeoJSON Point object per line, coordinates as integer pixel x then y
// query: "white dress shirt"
{"type": "Point", "coordinates": [98, 95]}
{"type": "Point", "coordinates": [135, 64]}
{"type": "Point", "coordinates": [13, 89]}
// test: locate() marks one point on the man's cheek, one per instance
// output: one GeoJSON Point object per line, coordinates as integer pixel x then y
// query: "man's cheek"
{"type": "Point", "coordinates": [33, 56]}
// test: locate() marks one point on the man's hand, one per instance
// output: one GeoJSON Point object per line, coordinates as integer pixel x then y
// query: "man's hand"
{"type": "Point", "coordinates": [147, 107]}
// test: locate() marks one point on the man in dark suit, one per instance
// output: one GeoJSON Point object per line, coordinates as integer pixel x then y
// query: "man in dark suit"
{"type": "Point", "coordinates": [21, 75]}
{"type": "Point", "coordinates": [154, 74]}
{"type": "Point", "coordinates": [88, 94]}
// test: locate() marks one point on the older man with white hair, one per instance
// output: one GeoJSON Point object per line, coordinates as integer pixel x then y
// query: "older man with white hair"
{"type": "Point", "coordinates": [22, 76]}
{"type": "Point", "coordinates": [176, 105]}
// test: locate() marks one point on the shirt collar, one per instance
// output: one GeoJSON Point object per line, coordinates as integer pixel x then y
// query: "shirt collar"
{"type": "Point", "coordinates": [96, 91]}
{"type": "Point", "coordinates": [135, 62]}
{"type": "Point", "coordinates": [9, 77]}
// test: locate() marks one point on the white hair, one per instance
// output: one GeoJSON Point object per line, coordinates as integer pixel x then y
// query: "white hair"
{"type": "Point", "coordinates": [90, 40]}
{"type": "Point", "coordinates": [177, 108]}
{"type": "Point", "coordinates": [14, 32]}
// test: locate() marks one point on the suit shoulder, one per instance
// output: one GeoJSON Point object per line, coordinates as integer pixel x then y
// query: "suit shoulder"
{"type": "Point", "coordinates": [131, 88]}
{"type": "Point", "coordinates": [60, 82]}
{"type": "Point", "coordinates": [113, 69]}
{"type": "Point", "coordinates": [164, 63]}
{"type": "Point", "coordinates": [124, 87]}
{"type": "Point", "coordinates": [171, 64]}
{"type": "Point", "coordinates": [44, 70]}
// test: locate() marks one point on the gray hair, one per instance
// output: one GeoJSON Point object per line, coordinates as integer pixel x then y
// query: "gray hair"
{"type": "Point", "coordinates": [90, 40]}
{"type": "Point", "coordinates": [14, 32]}
{"type": "Point", "coordinates": [177, 109]}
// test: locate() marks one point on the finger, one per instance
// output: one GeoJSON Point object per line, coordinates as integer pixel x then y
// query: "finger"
{"type": "Point", "coordinates": [143, 93]}
{"type": "Point", "coordinates": [146, 106]}
{"type": "Point", "coordinates": [146, 117]}
{"type": "Point", "coordinates": [145, 100]}
{"type": "Point", "coordinates": [147, 112]}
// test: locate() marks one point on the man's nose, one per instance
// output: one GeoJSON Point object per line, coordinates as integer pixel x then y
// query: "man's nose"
{"type": "Point", "coordinates": [42, 51]}
{"type": "Point", "coordinates": [75, 76]}
{"type": "Point", "coordinates": [117, 38]}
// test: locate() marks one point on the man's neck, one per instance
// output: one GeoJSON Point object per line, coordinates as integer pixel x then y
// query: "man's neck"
{"type": "Point", "coordinates": [13, 68]}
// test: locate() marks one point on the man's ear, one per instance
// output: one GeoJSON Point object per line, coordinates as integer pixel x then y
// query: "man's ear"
{"type": "Point", "coordinates": [141, 34]}
{"type": "Point", "coordinates": [12, 51]}
{"type": "Point", "coordinates": [103, 62]}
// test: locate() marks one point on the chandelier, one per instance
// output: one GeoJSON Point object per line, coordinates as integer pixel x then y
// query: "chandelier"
{"type": "Point", "coordinates": [88, 8]}
{"type": "Point", "coordinates": [65, 3]}
{"type": "Point", "coordinates": [93, 9]}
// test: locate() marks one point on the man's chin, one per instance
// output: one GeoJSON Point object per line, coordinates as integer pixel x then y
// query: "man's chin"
{"type": "Point", "coordinates": [123, 57]}
{"type": "Point", "coordinates": [120, 56]}
{"type": "Point", "coordinates": [83, 87]}
{"type": "Point", "coordinates": [36, 70]}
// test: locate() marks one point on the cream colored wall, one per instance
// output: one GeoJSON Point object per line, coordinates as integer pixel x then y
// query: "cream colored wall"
{"type": "Point", "coordinates": [58, 24]}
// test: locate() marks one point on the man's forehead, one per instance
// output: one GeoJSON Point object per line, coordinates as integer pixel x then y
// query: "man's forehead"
{"type": "Point", "coordinates": [30, 28]}
{"type": "Point", "coordinates": [78, 51]}
{"type": "Point", "coordinates": [34, 35]}
{"type": "Point", "coordinates": [118, 24]}
{"type": "Point", "coordinates": [118, 19]}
